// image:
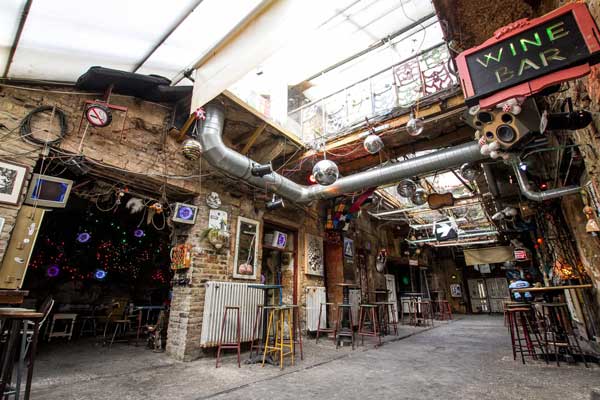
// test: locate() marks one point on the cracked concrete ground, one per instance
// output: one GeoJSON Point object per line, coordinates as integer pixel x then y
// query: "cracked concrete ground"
{"type": "Point", "coordinates": [466, 359]}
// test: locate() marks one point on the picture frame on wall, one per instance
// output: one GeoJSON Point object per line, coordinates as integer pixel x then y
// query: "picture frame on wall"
{"type": "Point", "coordinates": [314, 256]}
{"type": "Point", "coordinates": [12, 179]}
{"type": "Point", "coordinates": [245, 263]}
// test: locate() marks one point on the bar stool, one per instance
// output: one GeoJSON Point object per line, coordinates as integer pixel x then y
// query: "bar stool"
{"type": "Point", "coordinates": [15, 324]}
{"type": "Point", "coordinates": [425, 312]}
{"type": "Point", "coordinates": [277, 316]}
{"type": "Point", "coordinates": [296, 324]}
{"type": "Point", "coordinates": [324, 330]}
{"type": "Point", "coordinates": [444, 310]}
{"type": "Point", "coordinates": [344, 326]}
{"type": "Point", "coordinates": [522, 330]}
{"type": "Point", "coordinates": [229, 345]}
{"type": "Point", "coordinates": [370, 310]}
{"type": "Point", "coordinates": [257, 326]}
{"type": "Point", "coordinates": [393, 321]}
{"type": "Point", "coordinates": [559, 332]}
{"type": "Point", "coordinates": [411, 305]}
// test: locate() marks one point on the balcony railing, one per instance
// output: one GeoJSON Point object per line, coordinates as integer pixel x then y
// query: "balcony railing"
{"type": "Point", "coordinates": [400, 86]}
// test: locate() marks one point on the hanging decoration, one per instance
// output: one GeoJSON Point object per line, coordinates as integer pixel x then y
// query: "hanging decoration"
{"type": "Point", "coordinates": [469, 171]}
{"type": "Point", "coordinates": [135, 205]}
{"type": "Point", "coordinates": [373, 144]}
{"type": "Point", "coordinates": [139, 233]}
{"type": "Point", "coordinates": [191, 149]}
{"type": "Point", "coordinates": [100, 274]}
{"type": "Point", "coordinates": [213, 200]}
{"type": "Point", "coordinates": [419, 197]}
{"type": "Point", "coordinates": [406, 188]}
{"type": "Point", "coordinates": [414, 126]}
{"type": "Point", "coordinates": [325, 172]}
{"type": "Point", "coordinates": [83, 237]}
{"type": "Point", "coordinates": [381, 260]}
{"type": "Point", "coordinates": [52, 271]}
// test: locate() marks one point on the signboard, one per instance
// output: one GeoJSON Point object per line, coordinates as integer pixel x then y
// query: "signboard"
{"type": "Point", "coordinates": [413, 263]}
{"type": "Point", "coordinates": [445, 230]}
{"type": "Point", "coordinates": [529, 55]}
{"type": "Point", "coordinates": [455, 290]}
{"type": "Point", "coordinates": [521, 255]}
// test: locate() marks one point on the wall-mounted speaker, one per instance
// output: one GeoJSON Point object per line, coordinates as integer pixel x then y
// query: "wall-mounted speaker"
{"type": "Point", "coordinates": [504, 127]}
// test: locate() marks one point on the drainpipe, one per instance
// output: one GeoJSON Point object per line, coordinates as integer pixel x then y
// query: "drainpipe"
{"type": "Point", "coordinates": [529, 193]}
{"type": "Point", "coordinates": [232, 163]}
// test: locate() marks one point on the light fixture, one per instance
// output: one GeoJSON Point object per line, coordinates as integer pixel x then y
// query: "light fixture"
{"type": "Point", "coordinates": [406, 188]}
{"type": "Point", "coordinates": [419, 197]}
{"type": "Point", "coordinates": [325, 172]}
{"type": "Point", "coordinates": [275, 203]}
{"type": "Point", "coordinates": [522, 166]}
{"type": "Point", "coordinates": [100, 274]}
{"type": "Point", "coordinates": [414, 126]}
{"type": "Point", "coordinates": [261, 169]}
{"type": "Point", "coordinates": [470, 171]}
{"type": "Point", "coordinates": [510, 212]}
{"type": "Point", "coordinates": [498, 216]}
{"type": "Point", "coordinates": [373, 144]}
{"type": "Point", "coordinates": [311, 179]}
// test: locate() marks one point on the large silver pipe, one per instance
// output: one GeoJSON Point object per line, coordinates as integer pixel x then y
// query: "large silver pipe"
{"type": "Point", "coordinates": [233, 163]}
{"type": "Point", "coordinates": [529, 193]}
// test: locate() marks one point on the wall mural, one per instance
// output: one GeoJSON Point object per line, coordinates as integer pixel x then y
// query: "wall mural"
{"type": "Point", "coordinates": [314, 255]}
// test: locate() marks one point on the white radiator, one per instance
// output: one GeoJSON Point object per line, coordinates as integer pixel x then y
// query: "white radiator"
{"type": "Point", "coordinates": [221, 294]}
{"type": "Point", "coordinates": [315, 295]}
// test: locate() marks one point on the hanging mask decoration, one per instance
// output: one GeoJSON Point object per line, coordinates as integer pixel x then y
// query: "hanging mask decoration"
{"type": "Point", "coordinates": [154, 208]}
{"type": "Point", "coordinates": [135, 205]}
{"type": "Point", "coordinates": [381, 260]}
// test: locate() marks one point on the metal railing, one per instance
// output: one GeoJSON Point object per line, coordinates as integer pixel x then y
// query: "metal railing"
{"type": "Point", "coordinates": [399, 86]}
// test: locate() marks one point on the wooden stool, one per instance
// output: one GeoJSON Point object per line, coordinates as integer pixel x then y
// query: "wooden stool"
{"type": "Point", "coordinates": [344, 317]}
{"type": "Point", "coordinates": [522, 330]}
{"type": "Point", "coordinates": [372, 321]}
{"type": "Point", "coordinates": [257, 326]}
{"type": "Point", "coordinates": [276, 326]}
{"type": "Point", "coordinates": [444, 310]}
{"type": "Point", "coordinates": [324, 330]}
{"type": "Point", "coordinates": [412, 311]}
{"type": "Point", "coordinates": [559, 333]}
{"type": "Point", "coordinates": [230, 345]}
{"type": "Point", "coordinates": [393, 313]}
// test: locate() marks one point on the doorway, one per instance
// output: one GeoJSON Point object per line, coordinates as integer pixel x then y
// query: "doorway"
{"type": "Point", "coordinates": [279, 261]}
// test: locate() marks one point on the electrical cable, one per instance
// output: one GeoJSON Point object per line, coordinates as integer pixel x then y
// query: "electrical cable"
{"type": "Point", "coordinates": [25, 126]}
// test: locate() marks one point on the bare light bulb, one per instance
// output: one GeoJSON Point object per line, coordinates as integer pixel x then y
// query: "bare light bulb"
{"type": "Point", "coordinates": [414, 126]}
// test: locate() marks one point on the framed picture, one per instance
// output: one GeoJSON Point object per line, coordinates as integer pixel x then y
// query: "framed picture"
{"type": "Point", "coordinates": [245, 262]}
{"type": "Point", "coordinates": [12, 178]}
{"type": "Point", "coordinates": [455, 290]}
{"type": "Point", "coordinates": [313, 251]}
{"type": "Point", "coordinates": [348, 248]}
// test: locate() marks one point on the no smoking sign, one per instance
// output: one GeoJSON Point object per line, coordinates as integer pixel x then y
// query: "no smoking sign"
{"type": "Point", "coordinates": [98, 115]}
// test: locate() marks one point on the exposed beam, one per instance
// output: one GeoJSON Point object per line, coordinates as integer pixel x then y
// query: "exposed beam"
{"type": "Point", "coordinates": [253, 138]}
{"type": "Point", "coordinates": [167, 35]}
{"type": "Point", "coordinates": [15, 44]}
{"type": "Point", "coordinates": [269, 151]}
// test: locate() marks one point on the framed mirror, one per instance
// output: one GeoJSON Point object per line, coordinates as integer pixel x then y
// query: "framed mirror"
{"type": "Point", "coordinates": [246, 249]}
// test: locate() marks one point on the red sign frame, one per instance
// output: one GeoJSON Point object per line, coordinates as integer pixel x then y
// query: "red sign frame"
{"type": "Point", "coordinates": [589, 31]}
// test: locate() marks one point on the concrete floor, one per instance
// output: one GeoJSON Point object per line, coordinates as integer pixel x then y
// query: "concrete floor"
{"type": "Point", "coordinates": [466, 359]}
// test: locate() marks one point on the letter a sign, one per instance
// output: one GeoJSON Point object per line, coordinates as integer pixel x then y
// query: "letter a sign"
{"type": "Point", "coordinates": [445, 230]}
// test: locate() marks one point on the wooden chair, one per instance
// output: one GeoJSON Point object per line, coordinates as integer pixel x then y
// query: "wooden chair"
{"type": "Point", "coordinates": [120, 321]}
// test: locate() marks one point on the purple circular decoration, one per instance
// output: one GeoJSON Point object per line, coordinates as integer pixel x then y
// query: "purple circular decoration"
{"type": "Point", "coordinates": [185, 213]}
{"type": "Point", "coordinates": [84, 237]}
{"type": "Point", "coordinates": [138, 233]}
{"type": "Point", "coordinates": [52, 271]}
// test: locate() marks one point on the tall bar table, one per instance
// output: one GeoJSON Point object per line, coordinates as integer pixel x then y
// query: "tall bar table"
{"type": "Point", "coordinates": [257, 358]}
{"type": "Point", "coordinates": [345, 332]}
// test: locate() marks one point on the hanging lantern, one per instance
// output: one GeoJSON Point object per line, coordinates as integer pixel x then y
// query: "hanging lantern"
{"type": "Point", "coordinates": [469, 171]}
{"type": "Point", "coordinates": [192, 149]}
{"type": "Point", "coordinates": [325, 172]}
{"type": "Point", "coordinates": [419, 197]}
{"type": "Point", "coordinates": [406, 188]}
{"type": "Point", "coordinates": [414, 126]}
{"type": "Point", "coordinates": [373, 144]}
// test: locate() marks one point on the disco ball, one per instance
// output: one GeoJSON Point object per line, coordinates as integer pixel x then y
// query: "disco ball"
{"type": "Point", "coordinates": [373, 144]}
{"type": "Point", "coordinates": [469, 171]}
{"type": "Point", "coordinates": [419, 197]}
{"type": "Point", "coordinates": [406, 188]}
{"type": "Point", "coordinates": [325, 172]}
{"type": "Point", "coordinates": [192, 149]}
{"type": "Point", "coordinates": [414, 126]}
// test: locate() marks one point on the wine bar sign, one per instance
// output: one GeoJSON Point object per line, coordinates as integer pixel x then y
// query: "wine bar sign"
{"type": "Point", "coordinates": [529, 55]}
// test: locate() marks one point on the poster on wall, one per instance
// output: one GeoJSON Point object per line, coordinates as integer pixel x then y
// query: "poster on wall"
{"type": "Point", "coordinates": [12, 177]}
{"type": "Point", "coordinates": [348, 248]}
{"type": "Point", "coordinates": [455, 290]}
{"type": "Point", "coordinates": [314, 255]}
{"type": "Point", "coordinates": [217, 219]}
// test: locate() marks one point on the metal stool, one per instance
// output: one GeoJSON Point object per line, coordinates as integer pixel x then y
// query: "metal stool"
{"type": "Point", "coordinates": [372, 322]}
{"type": "Point", "coordinates": [324, 330]}
{"type": "Point", "coordinates": [257, 331]}
{"type": "Point", "coordinates": [230, 345]}
{"type": "Point", "coordinates": [444, 310]}
{"type": "Point", "coordinates": [425, 312]}
{"type": "Point", "coordinates": [412, 311]}
{"type": "Point", "coordinates": [344, 317]}
{"type": "Point", "coordinates": [276, 326]}
{"type": "Point", "coordinates": [559, 332]}
{"type": "Point", "coordinates": [523, 330]}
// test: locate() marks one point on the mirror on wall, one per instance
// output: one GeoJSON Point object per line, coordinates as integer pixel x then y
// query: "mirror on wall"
{"type": "Point", "coordinates": [246, 248]}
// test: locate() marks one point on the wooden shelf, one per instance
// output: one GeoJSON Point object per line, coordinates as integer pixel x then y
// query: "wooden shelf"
{"type": "Point", "coordinates": [268, 246]}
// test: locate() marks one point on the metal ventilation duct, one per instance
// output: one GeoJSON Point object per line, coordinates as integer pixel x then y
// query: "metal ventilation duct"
{"type": "Point", "coordinates": [540, 196]}
{"type": "Point", "coordinates": [235, 164]}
